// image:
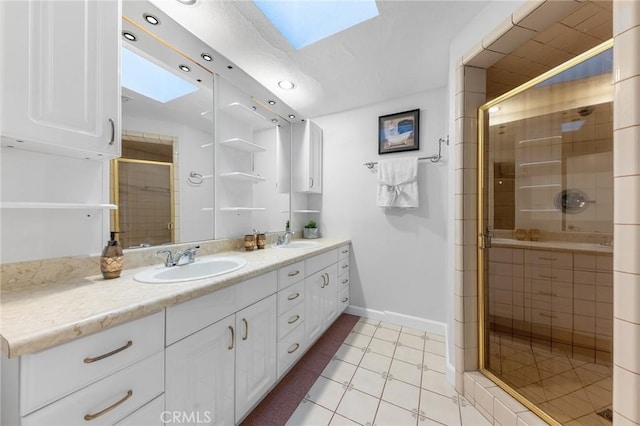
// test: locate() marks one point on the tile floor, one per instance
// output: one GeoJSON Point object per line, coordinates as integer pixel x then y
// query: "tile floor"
{"type": "Point", "coordinates": [569, 389]}
{"type": "Point", "coordinates": [363, 372]}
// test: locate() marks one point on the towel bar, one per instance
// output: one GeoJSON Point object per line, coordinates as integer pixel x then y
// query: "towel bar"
{"type": "Point", "coordinates": [434, 158]}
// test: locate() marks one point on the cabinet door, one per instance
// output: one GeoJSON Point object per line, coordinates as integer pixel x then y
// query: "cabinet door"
{"type": "Point", "coordinates": [315, 158]}
{"type": "Point", "coordinates": [61, 87]}
{"type": "Point", "coordinates": [313, 314]}
{"type": "Point", "coordinates": [200, 374]}
{"type": "Point", "coordinates": [256, 353]}
{"type": "Point", "coordinates": [330, 296]}
{"type": "Point", "coordinates": [307, 154]}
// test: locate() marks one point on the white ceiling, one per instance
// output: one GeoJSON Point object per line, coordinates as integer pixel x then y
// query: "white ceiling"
{"type": "Point", "coordinates": [404, 50]}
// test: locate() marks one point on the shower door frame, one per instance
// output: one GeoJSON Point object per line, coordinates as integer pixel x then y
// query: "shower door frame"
{"type": "Point", "coordinates": [482, 236]}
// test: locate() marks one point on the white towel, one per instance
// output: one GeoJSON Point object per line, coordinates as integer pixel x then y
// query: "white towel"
{"type": "Point", "coordinates": [398, 183]}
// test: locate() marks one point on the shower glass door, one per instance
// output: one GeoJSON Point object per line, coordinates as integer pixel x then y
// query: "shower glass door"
{"type": "Point", "coordinates": [546, 215]}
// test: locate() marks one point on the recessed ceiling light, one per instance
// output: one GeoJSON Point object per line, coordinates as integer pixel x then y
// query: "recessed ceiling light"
{"type": "Point", "coordinates": [206, 57]}
{"type": "Point", "coordinates": [230, 67]}
{"type": "Point", "coordinates": [129, 36]}
{"type": "Point", "coordinates": [270, 102]}
{"type": "Point", "coordinates": [286, 85]}
{"type": "Point", "coordinates": [188, 2]}
{"type": "Point", "coordinates": [184, 68]}
{"type": "Point", "coordinates": [291, 116]}
{"type": "Point", "coordinates": [254, 108]}
{"type": "Point", "coordinates": [151, 19]}
{"type": "Point", "coordinates": [273, 120]}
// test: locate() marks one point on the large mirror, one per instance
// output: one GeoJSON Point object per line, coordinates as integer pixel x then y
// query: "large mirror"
{"type": "Point", "coordinates": [201, 159]}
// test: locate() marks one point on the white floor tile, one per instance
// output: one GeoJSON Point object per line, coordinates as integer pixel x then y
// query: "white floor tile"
{"type": "Point", "coordinates": [364, 328]}
{"type": "Point", "coordinates": [472, 417]}
{"type": "Point", "coordinates": [369, 382]}
{"type": "Point", "coordinates": [434, 362]}
{"type": "Point", "coordinates": [436, 337]}
{"type": "Point", "coordinates": [350, 354]}
{"type": "Point", "coordinates": [401, 394]}
{"type": "Point", "coordinates": [408, 373]}
{"type": "Point", "coordinates": [391, 415]}
{"type": "Point", "coordinates": [326, 393]}
{"type": "Point", "coordinates": [368, 321]}
{"type": "Point", "coordinates": [382, 347]}
{"type": "Point", "coordinates": [386, 334]}
{"type": "Point", "coordinates": [358, 406]}
{"type": "Point", "coordinates": [339, 371]}
{"type": "Point", "coordinates": [413, 331]}
{"type": "Point", "coordinates": [358, 340]}
{"type": "Point", "coordinates": [309, 413]}
{"type": "Point", "coordinates": [375, 362]}
{"type": "Point", "coordinates": [339, 420]}
{"type": "Point", "coordinates": [408, 354]}
{"type": "Point", "coordinates": [437, 382]}
{"type": "Point", "coordinates": [434, 347]}
{"type": "Point", "coordinates": [412, 341]}
{"type": "Point", "coordinates": [390, 326]}
{"type": "Point", "coordinates": [440, 408]}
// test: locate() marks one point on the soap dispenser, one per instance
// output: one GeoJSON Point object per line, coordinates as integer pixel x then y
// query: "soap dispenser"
{"type": "Point", "coordinates": [112, 259]}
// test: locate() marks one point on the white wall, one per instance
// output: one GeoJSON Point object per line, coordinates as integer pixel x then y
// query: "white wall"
{"type": "Point", "coordinates": [399, 258]}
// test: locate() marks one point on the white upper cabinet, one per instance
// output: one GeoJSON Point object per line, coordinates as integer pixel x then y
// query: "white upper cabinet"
{"type": "Point", "coordinates": [61, 77]}
{"type": "Point", "coordinates": [307, 161]}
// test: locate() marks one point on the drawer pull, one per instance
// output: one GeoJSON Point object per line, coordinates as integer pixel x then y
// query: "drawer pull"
{"type": "Point", "coordinates": [549, 277]}
{"type": "Point", "coordinates": [345, 281]}
{"type": "Point", "coordinates": [113, 132]}
{"type": "Point", "coordinates": [89, 417]}
{"type": "Point", "coordinates": [548, 258]}
{"type": "Point", "coordinates": [293, 274]}
{"type": "Point", "coordinates": [294, 319]}
{"type": "Point", "coordinates": [345, 266]}
{"type": "Point", "coordinates": [547, 293]}
{"type": "Point", "coordinates": [346, 299]}
{"type": "Point", "coordinates": [108, 354]}
{"type": "Point", "coordinates": [246, 329]}
{"type": "Point", "coordinates": [295, 348]}
{"type": "Point", "coordinates": [233, 338]}
{"type": "Point", "coordinates": [542, 314]}
{"type": "Point", "coordinates": [324, 281]}
{"type": "Point", "coordinates": [293, 296]}
{"type": "Point", "coordinates": [345, 251]}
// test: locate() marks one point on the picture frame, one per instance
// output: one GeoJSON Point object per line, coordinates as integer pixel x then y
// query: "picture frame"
{"type": "Point", "coordinates": [399, 132]}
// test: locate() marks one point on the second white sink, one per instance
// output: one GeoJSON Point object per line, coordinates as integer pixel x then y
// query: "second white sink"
{"type": "Point", "coordinates": [201, 268]}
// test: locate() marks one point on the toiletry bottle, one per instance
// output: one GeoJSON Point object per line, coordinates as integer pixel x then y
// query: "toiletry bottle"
{"type": "Point", "coordinates": [112, 259]}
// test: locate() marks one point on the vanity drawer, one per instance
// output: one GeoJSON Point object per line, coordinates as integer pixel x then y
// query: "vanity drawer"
{"type": "Point", "coordinates": [53, 373]}
{"type": "Point", "coordinates": [124, 391]}
{"type": "Point", "coordinates": [148, 415]}
{"type": "Point", "coordinates": [343, 299]}
{"type": "Point", "coordinates": [343, 267]}
{"type": "Point", "coordinates": [343, 252]}
{"type": "Point", "coordinates": [290, 274]}
{"type": "Point", "coordinates": [557, 259]}
{"type": "Point", "coordinates": [290, 320]}
{"type": "Point", "coordinates": [290, 297]}
{"type": "Point", "coordinates": [343, 281]}
{"type": "Point", "coordinates": [320, 261]}
{"type": "Point", "coordinates": [290, 349]}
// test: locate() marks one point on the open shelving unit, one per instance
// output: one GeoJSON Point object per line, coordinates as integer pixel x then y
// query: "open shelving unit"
{"type": "Point", "coordinates": [45, 205]}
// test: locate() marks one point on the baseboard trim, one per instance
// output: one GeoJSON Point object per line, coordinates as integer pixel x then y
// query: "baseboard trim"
{"type": "Point", "coordinates": [400, 319]}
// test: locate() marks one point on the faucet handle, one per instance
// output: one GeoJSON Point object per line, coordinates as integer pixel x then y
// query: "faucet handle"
{"type": "Point", "coordinates": [169, 259]}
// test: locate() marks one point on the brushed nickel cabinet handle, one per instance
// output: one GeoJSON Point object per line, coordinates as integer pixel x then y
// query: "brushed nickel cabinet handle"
{"type": "Point", "coordinates": [233, 338]}
{"type": "Point", "coordinates": [324, 281]}
{"type": "Point", "coordinates": [310, 182]}
{"type": "Point", "coordinates": [246, 329]}
{"type": "Point", "coordinates": [113, 132]}
{"type": "Point", "coordinates": [345, 251]}
{"type": "Point", "coordinates": [345, 266]}
{"type": "Point", "coordinates": [345, 281]}
{"type": "Point", "coordinates": [294, 319]}
{"type": "Point", "coordinates": [293, 274]}
{"type": "Point", "coordinates": [127, 345]}
{"type": "Point", "coordinates": [89, 417]}
{"type": "Point", "coordinates": [293, 296]}
{"type": "Point", "coordinates": [295, 348]}
{"type": "Point", "coordinates": [346, 299]}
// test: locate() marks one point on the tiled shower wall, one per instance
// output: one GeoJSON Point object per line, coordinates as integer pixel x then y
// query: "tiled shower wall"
{"type": "Point", "coordinates": [470, 94]}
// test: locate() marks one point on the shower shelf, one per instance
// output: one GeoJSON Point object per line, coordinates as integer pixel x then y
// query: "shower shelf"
{"type": "Point", "coordinates": [69, 206]}
{"type": "Point", "coordinates": [244, 177]}
{"type": "Point", "coordinates": [242, 145]}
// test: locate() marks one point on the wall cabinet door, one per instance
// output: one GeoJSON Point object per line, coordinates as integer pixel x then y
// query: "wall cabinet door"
{"type": "Point", "coordinates": [307, 148]}
{"type": "Point", "coordinates": [61, 84]}
{"type": "Point", "coordinates": [256, 353]}
{"type": "Point", "coordinates": [320, 303]}
{"type": "Point", "coordinates": [200, 374]}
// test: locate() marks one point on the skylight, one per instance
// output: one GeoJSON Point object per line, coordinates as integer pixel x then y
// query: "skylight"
{"type": "Point", "coordinates": [571, 126]}
{"type": "Point", "coordinates": [145, 77]}
{"type": "Point", "coordinates": [304, 22]}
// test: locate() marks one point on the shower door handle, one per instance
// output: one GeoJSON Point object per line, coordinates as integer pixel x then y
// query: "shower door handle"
{"type": "Point", "coordinates": [485, 238]}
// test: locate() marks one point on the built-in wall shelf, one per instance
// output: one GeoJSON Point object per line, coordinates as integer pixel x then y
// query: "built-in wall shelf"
{"type": "Point", "coordinates": [69, 206]}
{"type": "Point", "coordinates": [207, 209]}
{"type": "Point", "coordinates": [244, 177]}
{"type": "Point", "coordinates": [244, 113]}
{"type": "Point", "coordinates": [306, 211]}
{"type": "Point", "coordinates": [242, 145]}
{"type": "Point", "coordinates": [242, 209]}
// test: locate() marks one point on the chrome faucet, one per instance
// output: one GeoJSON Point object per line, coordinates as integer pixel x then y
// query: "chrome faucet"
{"type": "Point", "coordinates": [284, 239]}
{"type": "Point", "coordinates": [182, 257]}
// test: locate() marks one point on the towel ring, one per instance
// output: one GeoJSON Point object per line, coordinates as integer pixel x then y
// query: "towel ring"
{"type": "Point", "coordinates": [195, 179]}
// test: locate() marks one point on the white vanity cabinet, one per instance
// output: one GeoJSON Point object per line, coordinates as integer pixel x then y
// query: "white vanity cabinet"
{"type": "Point", "coordinates": [307, 152]}
{"type": "Point", "coordinates": [100, 378]}
{"type": "Point", "coordinates": [321, 294]}
{"type": "Point", "coordinates": [61, 77]}
{"type": "Point", "coordinates": [291, 315]}
{"type": "Point", "coordinates": [343, 278]}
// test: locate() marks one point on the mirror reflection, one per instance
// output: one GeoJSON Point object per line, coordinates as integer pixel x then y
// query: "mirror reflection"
{"type": "Point", "coordinates": [201, 158]}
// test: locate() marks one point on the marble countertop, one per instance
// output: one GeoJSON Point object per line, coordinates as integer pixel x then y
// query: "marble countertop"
{"type": "Point", "coordinates": [553, 245]}
{"type": "Point", "coordinates": [34, 318]}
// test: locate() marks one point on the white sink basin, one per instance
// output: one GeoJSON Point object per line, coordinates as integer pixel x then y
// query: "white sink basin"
{"type": "Point", "coordinates": [201, 268]}
{"type": "Point", "coordinates": [299, 245]}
